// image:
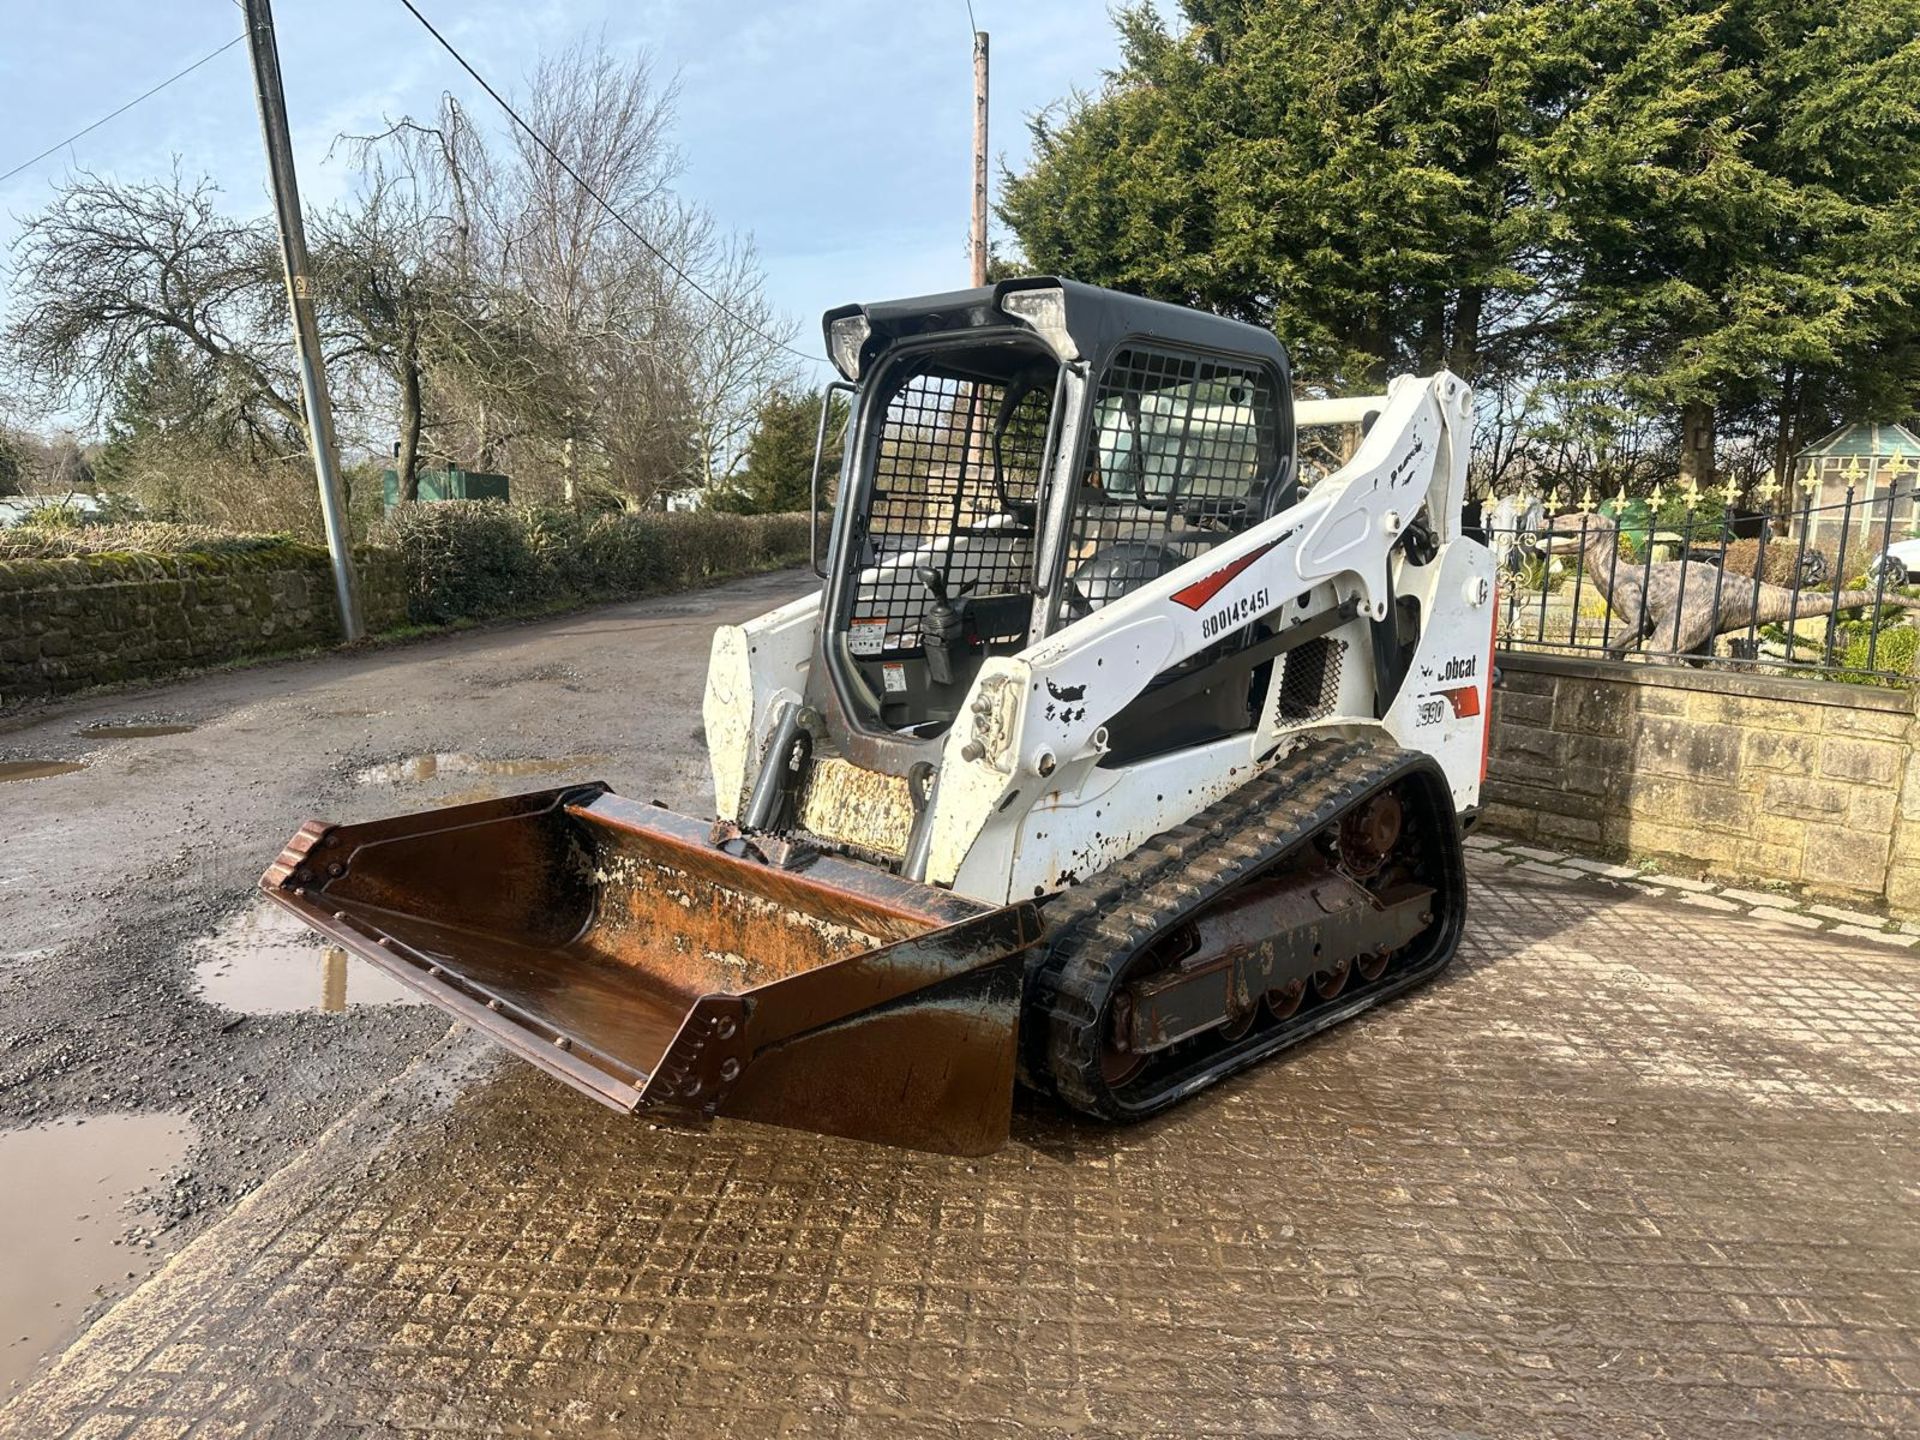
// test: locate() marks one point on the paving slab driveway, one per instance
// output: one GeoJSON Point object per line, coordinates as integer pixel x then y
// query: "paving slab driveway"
{"type": "Point", "coordinates": [1627, 1169]}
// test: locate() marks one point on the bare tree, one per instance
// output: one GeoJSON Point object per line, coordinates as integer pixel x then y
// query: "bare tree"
{"type": "Point", "coordinates": [477, 301]}
{"type": "Point", "coordinates": [566, 349]}
{"type": "Point", "coordinates": [108, 268]}
{"type": "Point", "coordinates": [736, 350]}
{"type": "Point", "coordinates": [594, 287]}
{"type": "Point", "coordinates": [648, 384]}
{"type": "Point", "coordinates": [381, 296]}
{"type": "Point", "coordinates": [485, 379]}
{"type": "Point", "coordinates": [1504, 414]}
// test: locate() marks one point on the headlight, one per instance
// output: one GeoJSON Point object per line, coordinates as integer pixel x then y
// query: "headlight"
{"type": "Point", "coordinates": [1044, 309]}
{"type": "Point", "coordinates": [844, 338]}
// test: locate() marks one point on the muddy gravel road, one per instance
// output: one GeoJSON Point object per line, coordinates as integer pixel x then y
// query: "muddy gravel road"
{"type": "Point", "coordinates": [163, 1034]}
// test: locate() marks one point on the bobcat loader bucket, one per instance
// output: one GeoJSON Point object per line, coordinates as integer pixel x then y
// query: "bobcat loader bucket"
{"type": "Point", "coordinates": [618, 947]}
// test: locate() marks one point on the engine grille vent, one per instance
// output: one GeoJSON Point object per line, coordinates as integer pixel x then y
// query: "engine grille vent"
{"type": "Point", "coordinates": [1310, 681]}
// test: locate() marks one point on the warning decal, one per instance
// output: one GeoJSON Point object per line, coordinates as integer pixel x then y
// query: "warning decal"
{"type": "Point", "coordinates": [867, 637]}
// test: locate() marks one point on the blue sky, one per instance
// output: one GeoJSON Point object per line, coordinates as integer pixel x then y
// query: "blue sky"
{"type": "Point", "coordinates": [836, 131]}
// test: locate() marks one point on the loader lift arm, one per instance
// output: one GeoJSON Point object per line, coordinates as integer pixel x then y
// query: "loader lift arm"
{"type": "Point", "coordinates": [1326, 566]}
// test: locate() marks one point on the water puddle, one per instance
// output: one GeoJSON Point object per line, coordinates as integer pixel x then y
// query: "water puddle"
{"type": "Point", "coordinates": [107, 730]}
{"type": "Point", "coordinates": [37, 769]}
{"type": "Point", "coordinates": [442, 764]}
{"type": "Point", "coordinates": [565, 676]}
{"type": "Point", "coordinates": [265, 962]}
{"type": "Point", "coordinates": [63, 1212]}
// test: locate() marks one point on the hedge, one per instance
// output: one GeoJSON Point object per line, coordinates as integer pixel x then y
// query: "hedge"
{"type": "Point", "coordinates": [480, 558]}
{"type": "Point", "coordinates": [199, 543]}
{"type": "Point", "coordinates": [1785, 557]}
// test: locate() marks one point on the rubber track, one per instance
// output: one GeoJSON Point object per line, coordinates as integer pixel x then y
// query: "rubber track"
{"type": "Point", "coordinates": [1097, 928]}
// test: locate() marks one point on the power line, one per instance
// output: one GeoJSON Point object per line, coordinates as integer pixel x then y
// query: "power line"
{"type": "Point", "coordinates": [603, 202]}
{"type": "Point", "coordinates": [51, 149]}
{"type": "Point", "coordinates": [973, 27]}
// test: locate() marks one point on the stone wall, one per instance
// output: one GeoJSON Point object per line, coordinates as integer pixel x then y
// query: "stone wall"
{"type": "Point", "coordinates": [71, 623]}
{"type": "Point", "coordinates": [1743, 777]}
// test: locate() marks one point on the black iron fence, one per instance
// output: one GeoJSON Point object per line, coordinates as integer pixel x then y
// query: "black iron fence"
{"type": "Point", "coordinates": [1825, 591]}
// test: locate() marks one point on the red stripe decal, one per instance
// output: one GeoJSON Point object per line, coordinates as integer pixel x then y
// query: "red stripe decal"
{"type": "Point", "coordinates": [1201, 591]}
{"type": "Point", "coordinates": [1465, 701]}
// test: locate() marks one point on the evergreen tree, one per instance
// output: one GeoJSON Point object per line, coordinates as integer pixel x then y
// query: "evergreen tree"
{"type": "Point", "coordinates": [1351, 176]}
{"type": "Point", "coordinates": [777, 475]}
{"type": "Point", "coordinates": [1707, 210]}
{"type": "Point", "coordinates": [13, 462]}
{"type": "Point", "coordinates": [163, 394]}
{"type": "Point", "coordinates": [1736, 210]}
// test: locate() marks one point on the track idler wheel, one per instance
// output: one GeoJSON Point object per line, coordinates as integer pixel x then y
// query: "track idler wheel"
{"type": "Point", "coordinates": [1283, 1002]}
{"type": "Point", "coordinates": [1330, 982]}
{"type": "Point", "coordinates": [1369, 833]}
{"type": "Point", "coordinates": [1118, 1064]}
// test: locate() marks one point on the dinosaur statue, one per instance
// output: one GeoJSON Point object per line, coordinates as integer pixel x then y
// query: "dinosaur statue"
{"type": "Point", "coordinates": [1673, 603]}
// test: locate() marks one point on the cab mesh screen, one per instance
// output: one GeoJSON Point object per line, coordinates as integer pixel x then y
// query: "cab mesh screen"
{"type": "Point", "coordinates": [938, 503]}
{"type": "Point", "coordinates": [1181, 454]}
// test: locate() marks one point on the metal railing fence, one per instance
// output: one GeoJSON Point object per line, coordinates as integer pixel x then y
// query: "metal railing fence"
{"type": "Point", "coordinates": [1818, 590]}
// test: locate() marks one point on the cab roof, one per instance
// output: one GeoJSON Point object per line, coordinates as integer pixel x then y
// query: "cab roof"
{"type": "Point", "coordinates": [1096, 322]}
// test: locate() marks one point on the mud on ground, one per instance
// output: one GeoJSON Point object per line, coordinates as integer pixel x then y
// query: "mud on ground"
{"type": "Point", "coordinates": [128, 860]}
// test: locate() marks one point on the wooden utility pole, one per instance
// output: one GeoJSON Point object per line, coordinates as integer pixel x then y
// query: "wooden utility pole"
{"type": "Point", "coordinates": [979, 157]}
{"type": "Point", "coordinates": [306, 332]}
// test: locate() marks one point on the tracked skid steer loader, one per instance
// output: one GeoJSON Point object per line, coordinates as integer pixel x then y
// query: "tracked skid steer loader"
{"type": "Point", "coordinates": [1114, 753]}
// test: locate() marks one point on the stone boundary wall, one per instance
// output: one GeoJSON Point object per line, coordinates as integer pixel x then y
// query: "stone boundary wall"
{"type": "Point", "coordinates": [1800, 783]}
{"type": "Point", "coordinates": [70, 623]}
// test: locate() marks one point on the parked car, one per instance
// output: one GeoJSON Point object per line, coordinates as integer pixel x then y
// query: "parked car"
{"type": "Point", "coordinates": [1901, 562]}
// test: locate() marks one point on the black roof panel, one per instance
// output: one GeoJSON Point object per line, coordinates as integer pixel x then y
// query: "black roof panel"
{"type": "Point", "coordinates": [1097, 320]}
